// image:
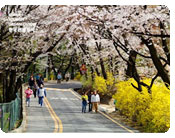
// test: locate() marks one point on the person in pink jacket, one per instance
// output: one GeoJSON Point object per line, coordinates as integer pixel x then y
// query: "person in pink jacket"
{"type": "Point", "coordinates": [28, 93]}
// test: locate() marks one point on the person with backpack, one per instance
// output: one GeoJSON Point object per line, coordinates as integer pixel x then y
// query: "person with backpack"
{"type": "Point", "coordinates": [84, 98]}
{"type": "Point", "coordinates": [41, 92]}
{"type": "Point", "coordinates": [28, 93]}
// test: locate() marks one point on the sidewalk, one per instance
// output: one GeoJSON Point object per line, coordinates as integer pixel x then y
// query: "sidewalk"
{"type": "Point", "coordinates": [38, 118]}
{"type": "Point", "coordinates": [107, 108]}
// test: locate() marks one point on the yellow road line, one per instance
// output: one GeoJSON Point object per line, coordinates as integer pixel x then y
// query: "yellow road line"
{"type": "Point", "coordinates": [75, 94]}
{"type": "Point", "coordinates": [56, 89]}
{"type": "Point", "coordinates": [57, 120]}
{"type": "Point", "coordinates": [116, 122]}
{"type": "Point", "coordinates": [106, 115]}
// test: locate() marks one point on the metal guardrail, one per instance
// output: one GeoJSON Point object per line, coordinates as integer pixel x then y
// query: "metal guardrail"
{"type": "Point", "coordinates": [10, 113]}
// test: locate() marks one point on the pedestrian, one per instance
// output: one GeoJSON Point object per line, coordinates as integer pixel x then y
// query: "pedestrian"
{"type": "Point", "coordinates": [95, 99]}
{"type": "Point", "coordinates": [31, 82]}
{"type": "Point", "coordinates": [38, 79]}
{"type": "Point", "coordinates": [84, 98]}
{"type": "Point", "coordinates": [59, 77]}
{"type": "Point", "coordinates": [89, 100]}
{"type": "Point", "coordinates": [28, 93]}
{"type": "Point", "coordinates": [41, 94]}
{"type": "Point", "coordinates": [67, 76]}
{"type": "Point", "coordinates": [35, 89]}
{"type": "Point", "coordinates": [115, 102]}
{"type": "Point", "coordinates": [41, 79]}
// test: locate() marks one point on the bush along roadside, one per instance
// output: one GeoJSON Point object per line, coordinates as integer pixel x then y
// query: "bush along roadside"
{"type": "Point", "coordinates": [151, 111]}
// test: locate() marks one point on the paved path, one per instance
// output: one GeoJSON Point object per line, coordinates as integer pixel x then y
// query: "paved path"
{"type": "Point", "coordinates": [62, 113]}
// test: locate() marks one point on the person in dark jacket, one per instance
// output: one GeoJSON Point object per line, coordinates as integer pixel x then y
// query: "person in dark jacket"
{"type": "Point", "coordinates": [89, 99]}
{"type": "Point", "coordinates": [35, 89]}
{"type": "Point", "coordinates": [39, 80]}
{"type": "Point", "coordinates": [31, 82]}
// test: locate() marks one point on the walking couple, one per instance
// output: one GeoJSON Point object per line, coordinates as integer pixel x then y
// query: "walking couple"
{"type": "Point", "coordinates": [41, 93]}
{"type": "Point", "coordinates": [93, 99]}
{"type": "Point", "coordinates": [34, 83]}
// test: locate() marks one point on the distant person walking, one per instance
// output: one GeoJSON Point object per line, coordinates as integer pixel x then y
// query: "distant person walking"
{"type": "Point", "coordinates": [35, 89]}
{"type": "Point", "coordinates": [84, 98]}
{"type": "Point", "coordinates": [67, 76]}
{"type": "Point", "coordinates": [28, 93]}
{"type": "Point", "coordinates": [31, 82]}
{"type": "Point", "coordinates": [59, 77]}
{"type": "Point", "coordinates": [89, 99]}
{"type": "Point", "coordinates": [95, 99]}
{"type": "Point", "coordinates": [41, 94]}
{"type": "Point", "coordinates": [39, 80]}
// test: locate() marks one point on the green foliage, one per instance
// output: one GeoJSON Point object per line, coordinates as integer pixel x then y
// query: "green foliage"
{"type": "Point", "coordinates": [77, 76]}
{"type": "Point", "coordinates": [87, 82]}
{"type": "Point", "coordinates": [6, 122]}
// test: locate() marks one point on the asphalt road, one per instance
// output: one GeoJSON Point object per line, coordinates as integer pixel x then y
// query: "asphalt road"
{"type": "Point", "coordinates": [62, 113]}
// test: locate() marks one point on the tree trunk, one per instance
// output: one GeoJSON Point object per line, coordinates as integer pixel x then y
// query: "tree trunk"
{"type": "Point", "coordinates": [10, 93]}
{"type": "Point", "coordinates": [72, 72]}
{"type": "Point", "coordinates": [1, 86]}
{"type": "Point", "coordinates": [131, 69]}
{"type": "Point", "coordinates": [164, 43]}
{"type": "Point", "coordinates": [157, 63]}
{"type": "Point", "coordinates": [97, 71]}
{"type": "Point", "coordinates": [79, 69]}
{"type": "Point", "coordinates": [53, 66]}
{"type": "Point", "coordinates": [92, 73]}
{"type": "Point", "coordinates": [103, 69]}
{"type": "Point", "coordinates": [18, 85]}
{"type": "Point", "coordinates": [67, 68]}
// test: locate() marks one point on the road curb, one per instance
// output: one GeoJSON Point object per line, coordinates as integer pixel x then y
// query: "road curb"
{"type": "Point", "coordinates": [22, 127]}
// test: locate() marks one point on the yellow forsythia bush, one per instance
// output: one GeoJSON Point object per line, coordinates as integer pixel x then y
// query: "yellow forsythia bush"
{"type": "Point", "coordinates": [152, 111]}
{"type": "Point", "coordinates": [104, 86]}
{"type": "Point", "coordinates": [77, 76]}
{"type": "Point", "coordinates": [100, 84]}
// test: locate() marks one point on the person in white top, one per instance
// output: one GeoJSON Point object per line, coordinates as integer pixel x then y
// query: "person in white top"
{"type": "Point", "coordinates": [67, 76]}
{"type": "Point", "coordinates": [41, 94]}
{"type": "Point", "coordinates": [95, 99]}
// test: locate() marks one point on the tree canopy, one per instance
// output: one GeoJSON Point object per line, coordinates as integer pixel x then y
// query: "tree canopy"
{"type": "Point", "coordinates": [130, 40]}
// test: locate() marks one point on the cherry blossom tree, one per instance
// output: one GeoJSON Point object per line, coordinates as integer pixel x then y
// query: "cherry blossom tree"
{"type": "Point", "coordinates": [130, 40]}
{"type": "Point", "coordinates": [135, 31]}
